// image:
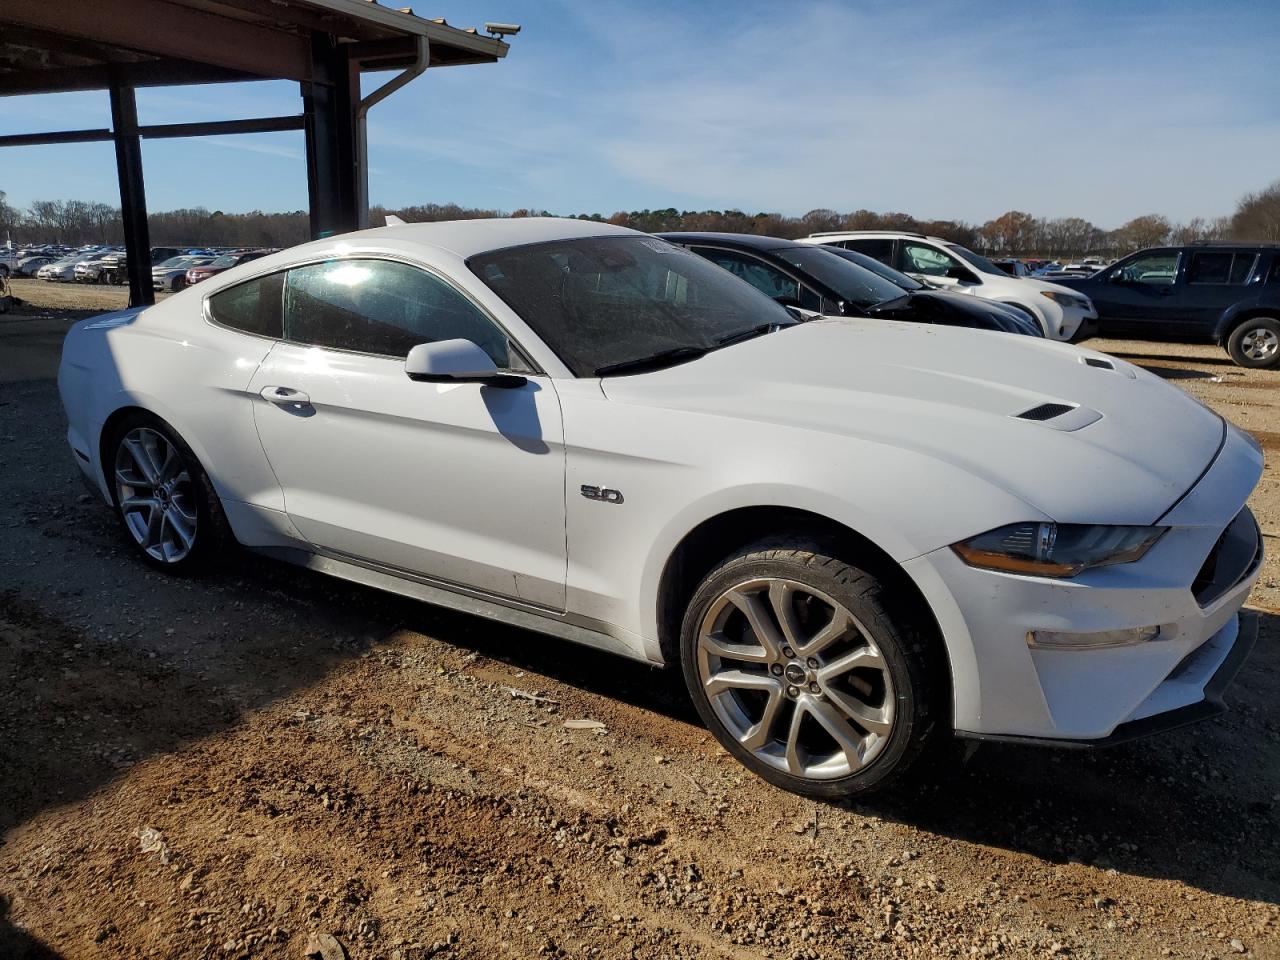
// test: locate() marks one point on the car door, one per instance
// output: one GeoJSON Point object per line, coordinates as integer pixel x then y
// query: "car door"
{"type": "Point", "coordinates": [461, 483]}
{"type": "Point", "coordinates": [1215, 280]}
{"type": "Point", "coordinates": [1139, 295]}
{"type": "Point", "coordinates": [765, 277]}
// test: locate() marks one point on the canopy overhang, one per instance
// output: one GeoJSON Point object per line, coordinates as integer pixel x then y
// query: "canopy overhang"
{"type": "Point", "coordinates": [57, 46]}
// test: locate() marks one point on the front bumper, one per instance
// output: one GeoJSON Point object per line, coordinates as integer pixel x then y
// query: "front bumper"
{"type": "Point", "coordinates": [1006, 689]}
{"type": "Point", "coordinates": [1221, 657]}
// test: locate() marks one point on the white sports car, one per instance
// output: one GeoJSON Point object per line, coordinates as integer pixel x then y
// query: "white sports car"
{"type": "Point", "coordinates": [856, 537]}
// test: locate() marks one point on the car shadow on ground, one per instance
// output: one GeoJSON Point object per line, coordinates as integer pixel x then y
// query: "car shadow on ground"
{"type": "Point", "coordinates": [1142, 358]}
{"type": "Point", "coordinates": [1180, 373]}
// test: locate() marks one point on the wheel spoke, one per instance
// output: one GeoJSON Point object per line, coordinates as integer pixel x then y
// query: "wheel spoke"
{"type": "Point", "coordinates": [794, 764]}
{"type": "Point", "coordinates": [846, 738]}
{"type": "Point", "coordinates": [757, 614]}
{"type": "Point", "coordinates": [155, 527]}
{"type": "Point", "coordinates": [837, 629]}
{"type": "Point", "coordinates": [865, 656]}
{"type": "Point", "coordinates": [782, 599]}
{"type": "Point", "coordinates": [877, 720]}
{"type": "Point", "coordinates": [739, 680]}
{"type": "Point", "coordinates": [142, 459]}
{"type": "Point", "coordinates": [139, 503]}
{"type": "Point", "coordinates": [179, 525]}
{"type": "Point", "coordinates": [127, 479]}
{"type": "Point", "coordinates": [761, 732]}
{"type": "Point", "coordinates": [171, 463]}
{"type": "Point", "coordinates": [717, 645]}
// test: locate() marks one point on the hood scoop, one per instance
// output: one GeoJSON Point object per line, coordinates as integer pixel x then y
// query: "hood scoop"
{"type": "Point", "coordinates": [1046, 411]}
{"type": "Point", "coordinates": [1060, 416]}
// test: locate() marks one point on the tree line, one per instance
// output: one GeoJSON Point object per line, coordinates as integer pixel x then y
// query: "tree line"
{"type": "Point", "coordinates": [1013, 234]}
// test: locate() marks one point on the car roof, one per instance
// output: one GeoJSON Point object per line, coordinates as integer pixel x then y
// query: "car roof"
{"type": "Point", "coordinates": [751, 241]}
{"type": "Point", "coordinates": [849, 234]}
{"type": "Point", "coordinates": [466, 238]}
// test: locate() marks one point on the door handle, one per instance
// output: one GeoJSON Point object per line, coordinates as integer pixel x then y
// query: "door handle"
{"type": "Point", "coordinates": [285, 395]}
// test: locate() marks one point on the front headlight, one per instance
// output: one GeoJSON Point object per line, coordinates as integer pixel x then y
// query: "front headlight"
{"type": "Point", "coordinates": [1056, 549]}
{"type": "Point", "coordinates": [1066, 299]}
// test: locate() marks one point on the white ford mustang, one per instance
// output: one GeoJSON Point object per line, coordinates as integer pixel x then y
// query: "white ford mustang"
{"type": "Point", "coordinates": [856, 537]}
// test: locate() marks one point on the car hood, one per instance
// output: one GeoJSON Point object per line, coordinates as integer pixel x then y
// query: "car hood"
{"type": "Point", "coordinates": [1126, 450]}
{"type": "Point", "coordinates": [957, 309]}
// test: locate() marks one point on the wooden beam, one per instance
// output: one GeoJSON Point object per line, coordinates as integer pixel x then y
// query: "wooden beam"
{"type": "Point", "coordinates": [173, 32]}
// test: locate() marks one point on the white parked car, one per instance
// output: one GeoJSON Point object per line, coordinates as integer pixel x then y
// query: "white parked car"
{"type": "Point", "coordinates": [1063, 314]}
{"type": "Point", "coordinates": [64, 271]}
{"type": "Point", "coordinates": [172, 273]}
{"type": "Point", "coordinates": [855, 537]}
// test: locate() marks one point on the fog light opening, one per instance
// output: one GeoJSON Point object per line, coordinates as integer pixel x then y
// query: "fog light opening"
{"type": "Point", "coordinates": [1062, 640]}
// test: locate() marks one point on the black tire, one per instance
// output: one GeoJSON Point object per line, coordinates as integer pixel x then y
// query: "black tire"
{"type": "Point", "coordinates": [910, 655]}
{"type": "Point", "coordinates": [1255, 343]}
{"type": "Point", "coordinates": [211, 534]}
{"type": "Point", "coordinates": [4, 271]}
{"type": "Point", "coordinates": [178, 284]}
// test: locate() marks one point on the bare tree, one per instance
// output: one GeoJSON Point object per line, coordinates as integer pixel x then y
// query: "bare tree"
{"type": "Point", "coordinates": [1257, 217]}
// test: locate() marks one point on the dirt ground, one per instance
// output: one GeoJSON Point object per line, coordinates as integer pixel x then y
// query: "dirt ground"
{"type": "Point", "coordinates": [227, 767]}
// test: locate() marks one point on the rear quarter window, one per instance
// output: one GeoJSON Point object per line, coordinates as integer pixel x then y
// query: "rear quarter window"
{"type": "Point", "coordinates": [254, 306]}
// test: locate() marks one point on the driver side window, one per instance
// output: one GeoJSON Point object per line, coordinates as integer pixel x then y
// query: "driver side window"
{"type": "Point", "coordinates": [384, 308]}
{"type": "Point", "coordinates": [1156, 269]}
{"type": "Point", "coordinates": [927, 260]}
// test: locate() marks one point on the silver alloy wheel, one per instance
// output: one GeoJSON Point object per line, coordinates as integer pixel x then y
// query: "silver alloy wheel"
{"type": "Point", "coordinates": [795, 678]}
{"type": "Point", "coordinates": [156, 494]}
{"type": "Point", "coordinates": [1259, 343]}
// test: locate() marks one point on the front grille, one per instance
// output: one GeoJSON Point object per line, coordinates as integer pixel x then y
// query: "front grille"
{"type": "Point", "coordinates": [1234, 556]}
{"type": "Point", "coordinates": [1046, 411]}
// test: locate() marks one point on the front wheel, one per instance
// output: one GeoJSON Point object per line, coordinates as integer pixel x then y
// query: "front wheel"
{"type": "Point", "coordinates": [1255, 343]}
{"type": "Point", "coordinates": [162, 497]}
{"type": "Point", "coordinates": [808, 672]}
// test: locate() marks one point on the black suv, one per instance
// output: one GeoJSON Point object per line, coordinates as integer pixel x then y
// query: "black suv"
{"type": "Point", "coordinates": [1228, 294]}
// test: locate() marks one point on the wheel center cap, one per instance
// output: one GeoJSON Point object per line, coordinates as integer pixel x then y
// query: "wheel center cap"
{"type": "Point", "coordinates": [796, 673]}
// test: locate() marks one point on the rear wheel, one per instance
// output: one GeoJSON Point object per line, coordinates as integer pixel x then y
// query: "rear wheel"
{"type": "Point", "coordinates": [1255, 343]}
{"type": "Point", "coordinates": [162, 496]}
{"type": "Point", "coordinates": [808, 673]}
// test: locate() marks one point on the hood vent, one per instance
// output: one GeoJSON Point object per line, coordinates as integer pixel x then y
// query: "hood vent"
{"type": "Point", "coordinates": [1046, 411]}
{"type": "Point", "coordinates": [1099, 362]}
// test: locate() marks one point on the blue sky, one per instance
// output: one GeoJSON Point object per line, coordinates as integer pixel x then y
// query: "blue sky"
{"type": "Point", "coordinates": [956, 109]}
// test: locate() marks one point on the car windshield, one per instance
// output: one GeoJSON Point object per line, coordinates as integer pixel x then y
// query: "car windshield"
{"type": "Point", "coordinates": [176, 262]}
{"type": "Point", "coordinates": [605, 302]}
{"type": "Point", "coordinates": [875, 266]}
{"type": "Point", "coordinates": [228, 260]}
{"type": "Point", "coordinates": [982, 263]}
{"type": "Point", "coordinates": [851, 283]}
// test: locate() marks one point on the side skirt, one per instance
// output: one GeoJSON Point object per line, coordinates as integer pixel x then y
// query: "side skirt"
{"type": "Point", "coordinates": [583, 630]}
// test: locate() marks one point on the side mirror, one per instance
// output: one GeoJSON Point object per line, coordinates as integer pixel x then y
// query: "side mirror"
{"type": "Point", "coordinates": [961, 274]}
{"type": "Point", "coordinates": [455, 361]}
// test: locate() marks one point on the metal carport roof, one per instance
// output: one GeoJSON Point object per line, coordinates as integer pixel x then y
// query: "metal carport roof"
{"type": "Point", "coordinates": [50, 46]}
